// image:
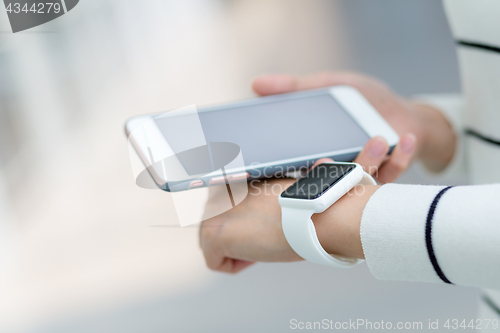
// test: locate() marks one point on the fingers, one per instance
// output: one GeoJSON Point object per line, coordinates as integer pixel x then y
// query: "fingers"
{"type": "Point", "coordinates": [215, 258]}
{"type": "Point", "coordinates": [274, 84]}
{"type": "Point", "coordinates": [214, 248]}
{"type": "Point", "coordinates": [226, 265]}
{"type": "Point", "coordinates": [375, 161]}
{"type": "Point", "coordinates": [238, 265]}
{"type": "Point", "coordinates": [282, 83]}
{"type": "Point", "coordinates": [373, 155]}
{"type": "Point", "coordinates": [399, 160]}
{"type": "Point", "coordinates": [385, 168]}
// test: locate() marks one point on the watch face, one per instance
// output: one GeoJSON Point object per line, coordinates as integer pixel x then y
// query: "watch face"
{"type": "Point", "coordinates": [319, 180]}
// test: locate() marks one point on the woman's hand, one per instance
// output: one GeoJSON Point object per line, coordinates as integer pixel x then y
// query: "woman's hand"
{"type": "Point", "coordinates": [249, 232]}
{"type": "Point", "coordinates": [252, 230]}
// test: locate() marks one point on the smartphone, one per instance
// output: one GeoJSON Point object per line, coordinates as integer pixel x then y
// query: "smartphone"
{"type": "Point", "coordinates": [280, 133]}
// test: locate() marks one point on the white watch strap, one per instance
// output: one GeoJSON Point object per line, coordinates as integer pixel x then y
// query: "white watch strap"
{"type": "Point", "coordinates": [367, 179]}
{"type": "Point", "coordinates": [300, 233]}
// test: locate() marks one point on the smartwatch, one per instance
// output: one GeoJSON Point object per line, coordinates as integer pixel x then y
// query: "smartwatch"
{"type": "Point", "coordinates": [319, 189]}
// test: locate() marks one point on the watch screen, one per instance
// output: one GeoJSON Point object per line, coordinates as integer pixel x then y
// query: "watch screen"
{"type": "Point", "coordinates": [319, 180]}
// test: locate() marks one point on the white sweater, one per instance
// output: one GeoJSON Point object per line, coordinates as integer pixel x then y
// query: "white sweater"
{"type": "Point", "coordinates": [442, 234]}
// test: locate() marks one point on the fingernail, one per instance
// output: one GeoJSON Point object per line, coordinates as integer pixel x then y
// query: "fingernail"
{"type": "Point", "coordinates": [408, 143]}
{"type": "Point", "coordinates": [377, 147]}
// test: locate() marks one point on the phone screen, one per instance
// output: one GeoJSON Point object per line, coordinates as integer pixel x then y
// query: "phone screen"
{"type": "Point", "coordinates": [280, 129]}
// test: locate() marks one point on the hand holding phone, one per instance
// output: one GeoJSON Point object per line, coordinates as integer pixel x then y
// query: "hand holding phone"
{"type": "Point", "coordinates": [295, 129]}
{"type": "Point", "coordinates": [400, 113]}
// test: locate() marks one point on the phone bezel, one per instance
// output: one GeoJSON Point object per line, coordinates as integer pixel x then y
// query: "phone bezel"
{"type": "Point", "coordinates": [350, 99]}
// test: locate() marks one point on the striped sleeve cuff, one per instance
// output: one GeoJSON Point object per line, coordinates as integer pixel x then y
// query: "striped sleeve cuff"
{"type": "Point", "coordinates": [434, 234]}
{"type": "Point", "coordinates": [393, 233]}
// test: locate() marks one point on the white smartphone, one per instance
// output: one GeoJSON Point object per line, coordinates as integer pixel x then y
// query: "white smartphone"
{"type": "Point", "coordinates": [281, 132]}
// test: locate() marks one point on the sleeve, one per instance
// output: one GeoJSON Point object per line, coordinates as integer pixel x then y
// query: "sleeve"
{"type": "Point", "coordinates": [434, 234]}
{"type": "Point", "coordinates": [452, 108]}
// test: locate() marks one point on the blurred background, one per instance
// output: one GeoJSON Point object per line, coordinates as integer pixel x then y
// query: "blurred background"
{"type": "Point", "coordinates": [78, 252]}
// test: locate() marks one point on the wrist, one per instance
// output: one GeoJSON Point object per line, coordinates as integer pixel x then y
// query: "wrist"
{"type": "Point", "coordinates": [437, 139]}
{"type": "Point", "coordinates": [338, 227]}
